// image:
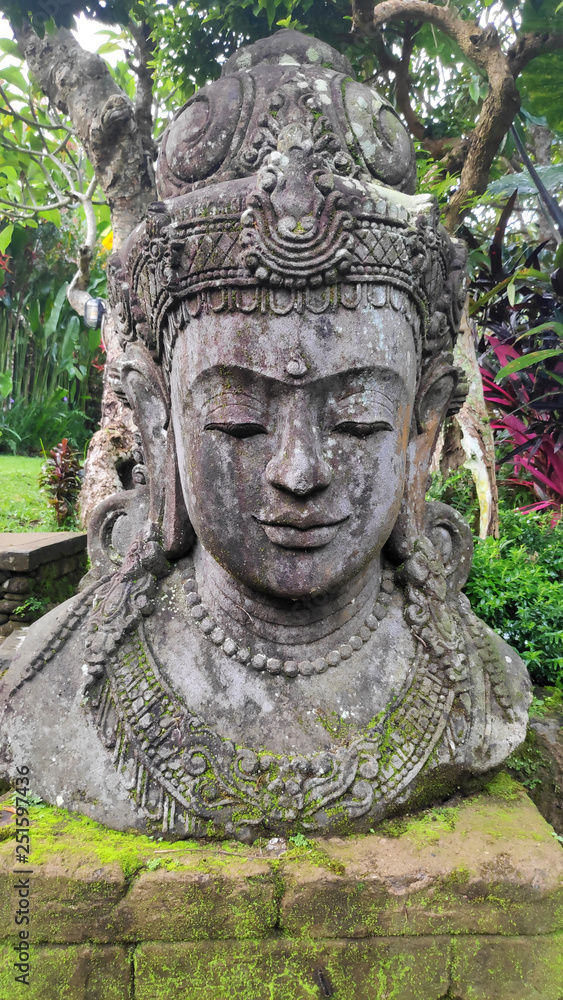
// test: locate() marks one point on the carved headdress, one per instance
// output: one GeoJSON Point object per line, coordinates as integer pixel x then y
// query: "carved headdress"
{"type": "Point", "coordinates": [286, 185]}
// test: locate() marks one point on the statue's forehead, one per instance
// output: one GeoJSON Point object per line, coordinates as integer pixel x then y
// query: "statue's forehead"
{"type": "Point", "coordinates": [298, 347]}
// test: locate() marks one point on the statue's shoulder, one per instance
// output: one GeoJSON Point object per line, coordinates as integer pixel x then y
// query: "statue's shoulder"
{"type": "Point", "coordinates": [43, 644]}
{"type": "Point", "coordinates": [44, 727]}
{"type": "Point", "coordinates": [499, 691]}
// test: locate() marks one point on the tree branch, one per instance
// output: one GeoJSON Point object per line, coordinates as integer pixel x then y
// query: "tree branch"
{"type": "Point", "coordinates": [403, 83]}
{"type": "Point", "coordinates": [32, 122]}
{"type": "Point", "coordinates": [531, 45]}
{"type": "Point", "coordinates": [143, 90]}
{"type": "Point", "coordinates": [477, 44]}
{"type": "Point", "coordinates": [36, 209]}
{"type": "Point", "coordinates": [80, 85]}
{"type": "Point", "coordinates": [482, 47]}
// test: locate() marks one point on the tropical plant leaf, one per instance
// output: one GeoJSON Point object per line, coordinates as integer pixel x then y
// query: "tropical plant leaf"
{"type": "Point", "coordinates": [525, 361]}
{"type": "Point", "coordinates": [552, 177]}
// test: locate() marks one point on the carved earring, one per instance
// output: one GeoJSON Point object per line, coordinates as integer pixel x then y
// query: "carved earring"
{"type": "Point", "coordinates": [437, 387]}
{"type": "Point", "coordinates": [155, 508]}
{"type": "Point", "coordinates": [178, 536]}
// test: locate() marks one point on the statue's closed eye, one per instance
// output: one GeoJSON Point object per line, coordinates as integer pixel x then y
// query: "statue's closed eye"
{"type": "Point", "coordinates": [238, 430]}
{"type": "Point", "coordinates": [233, 416]}
{"type": "Point", "coordinates": [362, 414]}
{"type": "Point", "coordinates": [362, 429]}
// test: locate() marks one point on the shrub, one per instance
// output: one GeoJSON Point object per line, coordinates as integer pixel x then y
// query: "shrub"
{"type": "Point", "coordinates": [60, 479]}
{"type": "Point", "coordinates": [518, 307]}
{"type": "Point", "coordinates": [516, 583]}
{"type": "Point", "coordinates": [28, 428]}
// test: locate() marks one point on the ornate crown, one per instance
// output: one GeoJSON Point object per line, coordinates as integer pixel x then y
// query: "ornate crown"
{"type": "Point", "coordinates": [286, 185]}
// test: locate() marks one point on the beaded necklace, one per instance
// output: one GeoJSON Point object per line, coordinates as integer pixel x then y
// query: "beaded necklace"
{"type": "Point", "coordinates": [260, 661]}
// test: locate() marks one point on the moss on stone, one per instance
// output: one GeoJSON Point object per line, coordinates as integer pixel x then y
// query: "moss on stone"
{"type": "Point", "coordinates": [58, 832]}
{"type": "Point", "coordinates": [375, 916]}
{"type": "Point", "coordinates": [504, 787]}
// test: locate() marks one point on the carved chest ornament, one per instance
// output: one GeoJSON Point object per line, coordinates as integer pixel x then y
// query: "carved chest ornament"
{"type": "Point", "coordinates": [191, 781]}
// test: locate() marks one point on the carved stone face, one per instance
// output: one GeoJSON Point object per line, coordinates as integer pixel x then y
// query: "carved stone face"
{"type": "Point", "coordinates": [291, 435]}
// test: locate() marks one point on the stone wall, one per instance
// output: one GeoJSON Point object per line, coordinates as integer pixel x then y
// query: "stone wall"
{"type": "Point", "coordinates": [38, 570]}
{"type": "Point", "coordinates": [459, 903]}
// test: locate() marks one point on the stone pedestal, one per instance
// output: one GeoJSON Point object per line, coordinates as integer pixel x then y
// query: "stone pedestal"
{"type": "Point", "coordinates": [38, 570]}
{"type": "Point", "coordinates": [459, 903]}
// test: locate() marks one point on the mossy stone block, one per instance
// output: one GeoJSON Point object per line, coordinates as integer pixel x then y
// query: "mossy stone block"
{"type": "Point", "coordinates": [201, 900]}
{"type": "Point", "coordinates": [404, 969]}
{"type": "Point", "coordinates": [70, 901]}
{"type": "Point", "coordinates": [489, 866]}
{"type": "Point", "coordinates": [68, 972]}
{"type": "Point", "coordinates": [519, 968]}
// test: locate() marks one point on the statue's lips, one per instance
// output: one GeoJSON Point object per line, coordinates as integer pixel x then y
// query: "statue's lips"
{"type": "Point", "coordinates": [305, 535]}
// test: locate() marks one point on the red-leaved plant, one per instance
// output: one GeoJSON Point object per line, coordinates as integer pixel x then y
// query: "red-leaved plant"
{"type": "Point", "coordinates": [520, 316]}
{"type": "Point", "coordinates": [60, 478]}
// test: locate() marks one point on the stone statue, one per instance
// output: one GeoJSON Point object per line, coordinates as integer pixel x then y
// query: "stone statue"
{"type": "Point", "coordinates": [273, 637]}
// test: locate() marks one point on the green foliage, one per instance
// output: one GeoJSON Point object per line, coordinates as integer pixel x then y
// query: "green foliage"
{"type": "Point", "coordinates": [457, 490]}
{"type": "Point", "coordinates": [31, 428]}
{"type": "Point", "coordinates": [528, 763]}
{"type": "Point", "coordinates": [551, 175]}
{"type": "Point", "coordinates": [516, 586]}
{"type": "Point", "coordinates": [44, 15]}
{"type": "Point", "coordinates": [299, 840]}
{"type": "Point", "coordinates": [47, 373]}
{"type": "Point", "coordinates": [541, 84]}
{"type": "Point", "coordinates": [516, 583]}
{"type": "Point", "coordinates": [31, 606]}
{"type": "Point", "coordinates": [41, 157]}
{"type": "Point", "coordinates": [193, 41]}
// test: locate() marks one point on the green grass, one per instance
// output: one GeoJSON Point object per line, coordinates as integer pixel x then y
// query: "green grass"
{"type": "Point", "coordinates": [22, 505]}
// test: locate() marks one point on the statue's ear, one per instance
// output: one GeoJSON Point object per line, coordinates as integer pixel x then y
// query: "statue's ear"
{"type": "Point", "coordinates": [451, 535]}
{"type": "Point", "coordinates": [147, 395]}
{"type": "Point", "coordinates": [433, 400]}
{"type": "Point", "coordinates": [156, 506]}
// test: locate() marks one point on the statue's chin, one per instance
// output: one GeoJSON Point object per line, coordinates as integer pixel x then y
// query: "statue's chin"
{"type": "Point", "coordinates": [307, 574]}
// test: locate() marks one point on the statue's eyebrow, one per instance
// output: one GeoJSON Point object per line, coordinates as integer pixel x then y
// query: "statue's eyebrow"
{"type": "Point", "coordinates": [231, 397]}
{"type": "Point", "coordinates": [356, 382]}
{"type": "Point", "coordinates": [235, 380]}
{"type": "Point", "coordinates": [223, 378]}
{"type": "Point", "coordinates": [371, 390]}
{"type": "Point", "coordinates": [225, 392]}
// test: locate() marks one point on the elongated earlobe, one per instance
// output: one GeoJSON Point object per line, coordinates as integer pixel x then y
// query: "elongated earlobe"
{"type": "Point", "coordinates": [153, 509]}
{"type": "Point", "coordinates": [433, 402]}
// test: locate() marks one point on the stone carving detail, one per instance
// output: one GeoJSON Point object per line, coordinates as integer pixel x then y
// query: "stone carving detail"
{"type": "Point", "coordinates": [274, 636]}
{"type": "Point", "coordinates": [196, 776]}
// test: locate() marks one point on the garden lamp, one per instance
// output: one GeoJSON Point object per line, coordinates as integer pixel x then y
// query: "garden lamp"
{"type": "Point", "coordinates": [94, 310]}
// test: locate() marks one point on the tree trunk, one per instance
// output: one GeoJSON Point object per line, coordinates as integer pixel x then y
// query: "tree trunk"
{"type": "Point", "coordinates": [111, 450]}
{"type": "Point", "coordinates": [475, 434]}
{"type": "Point", "coordinates": [116, 134]}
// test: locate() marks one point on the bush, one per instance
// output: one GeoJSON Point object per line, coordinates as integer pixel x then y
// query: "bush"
{"type": "Point", "coordinates": [32, 428]}
{"type": "Point", "coordinates": [516, 583]}
{"type": "Point", "coordinates": [60, 479]}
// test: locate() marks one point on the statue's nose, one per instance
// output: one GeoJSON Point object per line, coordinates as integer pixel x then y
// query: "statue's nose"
{"type": "Point", "coordinates": [298, 466]}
